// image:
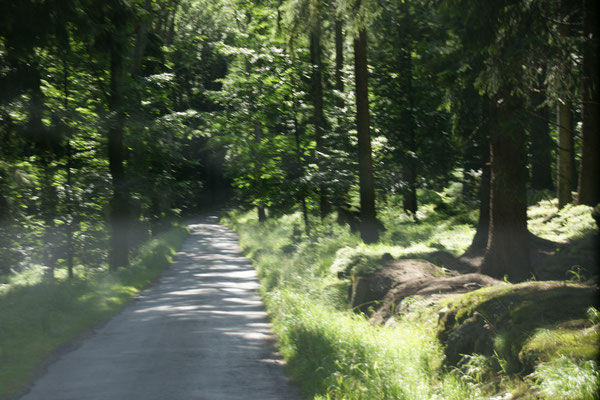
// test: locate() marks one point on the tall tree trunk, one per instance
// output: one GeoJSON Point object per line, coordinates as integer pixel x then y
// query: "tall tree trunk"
{"type": "Point", "coordinates": [319, 116]}
{"type": "Point", "coordinates": [141, 35]}
{"type": "Point", "coordinates": [300, 171]}
{"type": "Point", "coordinates": [339, 86]}
{"type": "Point", "coordinates": [564, 162]}
{"type": "Point", "coordinates": [258, 131]}
{"type": "Point", "coordinates": [541, 143]}
{"type": "Point", "coordinates": [262, 215]}
{"type": "Point", "coordinates": [369, 231]}
{"type": "Point", "coordinates": [589, 173]}
{"type": "Point", "coordinates": [302, 193]}
{"type": "Point", "coordinates": [409, 202]}
{"type": "Point", "coordinates": [410, 196]}
{"type": "Point", "coordinates": [339, 62]}
{"type": "Point", "coordinates": [480, 239]}
{"type": "Point", "coordinates": [48, 195]}
{"type": "Point", "coordinates": [477, 142]}
{"type": "Point", "coordinates": [49, 202]}
{"type": "Point", "coordinates": [119, 212]}
{"type": "Point", "coordinates": [171, 34]}
{"type": "Point", "coordinates": [70, 250]}
{"type": "Point", "coordinates": [507, 252]}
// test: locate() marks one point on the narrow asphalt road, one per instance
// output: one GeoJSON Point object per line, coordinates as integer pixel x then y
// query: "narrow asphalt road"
{"type": "Point", "coordinates": [199, 333]}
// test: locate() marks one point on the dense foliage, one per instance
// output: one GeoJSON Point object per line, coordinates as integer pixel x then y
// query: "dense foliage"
{"type": "Point", "coordinates": [119, 117]}
{"type": "Point", "coordinates": [100, 122]}
{"type": "Point", "coordinates": [116, 117]}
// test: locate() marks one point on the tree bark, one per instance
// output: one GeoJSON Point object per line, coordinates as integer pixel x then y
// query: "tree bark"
{"type": "Point", "coordinates": [410, 196]}
{"type": "Point", "coordinates": [119, 212]}
{"type": "Point", "coordinates": [299, 160]}
{"type": "Point", "coordinates": [564, 162]}
{"type": "Point", "coordinates": [258, 131]}
{"type": "Point", "coordinates": [141, 35]}
{"type": "Point", "coordinates": [70, 251]}
{"type": "Point", "coordinates": [49, 203]}
{"type": "Point", "coordinates": [70, 213]}
{"type": "Point", "coordinates": [46, 149]}
{"type": "Point", "coordinates": [369, 231]}
{"type": "Point", "coordinates": [339, 61]}
{"type": "Point", "coordinates": [262, 215]}
{"type": "Point", "coordinates": [541, 143]}
{"type": "Point", "coordinates": [507, 252]}
{"type": "Point", "coordinates": [300, 172]}
{"type": "Point", "coordinates": [589, 173]}
{"type": "Point", "coordinates": [319, 116]}
{"type": "Point", "coordinates": [480, 239]}
{"type": "Point", "coordinates": [409, 202]}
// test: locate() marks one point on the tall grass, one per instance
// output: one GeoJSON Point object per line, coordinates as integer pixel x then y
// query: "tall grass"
{"type": "Point", "coordinates": [331, 352]}
{"type": "Point", "coordinates": [339, 355]}
{"type": "Point", "coordinates": [37, 315]}
{"type": "Point", "coordinates": [334, 354]}
{"type": "Point", "coordinates": [568, 379]}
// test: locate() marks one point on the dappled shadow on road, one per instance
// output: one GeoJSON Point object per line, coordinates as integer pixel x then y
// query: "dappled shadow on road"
{"type": "Point", "coordinates": [200, 332]}
{"type": "Point", "coordinates": [213, 290]}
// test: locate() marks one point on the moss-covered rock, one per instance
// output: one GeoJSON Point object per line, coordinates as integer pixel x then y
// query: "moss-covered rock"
{"type": "Point", "coordinates": [369, 290]}
{"type": "Point", "coordinates": [384, 290]}
{"type": "Point", "coordinates": [499, 320]}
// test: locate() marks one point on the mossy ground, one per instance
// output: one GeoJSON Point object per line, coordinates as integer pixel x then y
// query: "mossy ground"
{"type": "Point", "coordinates": [512, 316]}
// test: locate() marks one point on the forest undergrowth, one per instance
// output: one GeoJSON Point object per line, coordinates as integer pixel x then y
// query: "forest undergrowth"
{"type": "Point", "coordinates": [38, 315]}
{"type": "Point", "coordinates": [334, 353]}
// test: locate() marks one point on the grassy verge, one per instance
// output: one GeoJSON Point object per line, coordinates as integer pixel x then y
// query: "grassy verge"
{"type": "Point", "coordinates": [331, 352]}
{"type": "Point", "coordinates": [334, 354]}
{"type": "Point", "coordinates": [37, 316]}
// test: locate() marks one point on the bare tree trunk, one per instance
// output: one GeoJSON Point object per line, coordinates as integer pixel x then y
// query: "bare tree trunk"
{"type": "Point", "coordinates": [483, 222]}
{"type": "Point", "coordinates": [48, 196]}
{"type": "Point", "coordinates": [541, 143]}
{"type": "Point", "coordinates": [300, 172]}
{"type": "Point", "coordinates": [507, 252]}
{"type": "Point", "coordinates": [410, 195]}
{"type": "Point", "coordinates": [171, 34]}
{"type": "Point", "coordinates": [119, 213]}
{"type": "Point", "coordinates": [480, 239]}
{"type": "Point", "coordinates": [564, 162]}
{"type": "Point", "coordinates": [299, 160]}
{"type": "Point", "coordinates": [589, 174]}
{"type": "Point", "coordinates": [49, 202]}
{"type": "Point", "coordinates": [70, 213]}
{"type": "Point", "coordinates": [339, 61]}
{"type": "Point", "coordinates": [262, 215]}
{"type": "Point", "coordinates": [339, 87]}
{"type": "Point", "coordinates": [258, 131]}
{"type": "Point", "coordinates": [141, 34]}
{"type": "Point", "coordinates": [369, 230]}
{"type": "Point", "coordinates": [319, 116]}
{"type": "Point", "coordinates": [70, 253]}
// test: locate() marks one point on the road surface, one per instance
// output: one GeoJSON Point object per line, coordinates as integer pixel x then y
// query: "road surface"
{"type": "Point", "coordinates": [199, 333]}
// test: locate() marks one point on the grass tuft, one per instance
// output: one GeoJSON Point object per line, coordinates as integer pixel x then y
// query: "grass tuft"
{"type": "Point", "coordinates": [568, 379]}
